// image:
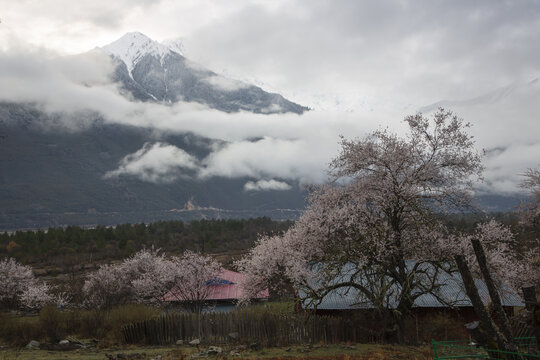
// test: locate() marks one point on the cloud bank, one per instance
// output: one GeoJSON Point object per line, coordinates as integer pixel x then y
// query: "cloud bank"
{"type": "Point", "coordinates": [287, 146]}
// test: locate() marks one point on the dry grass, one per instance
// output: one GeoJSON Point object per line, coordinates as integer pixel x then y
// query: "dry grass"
{"type": "Point", "coordinates": [330, 352]}
{"type": "Point", "coordinates": [52, 325]}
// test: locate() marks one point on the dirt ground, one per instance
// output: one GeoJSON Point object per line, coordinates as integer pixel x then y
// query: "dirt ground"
{"type": "Point", "coordinates": [331, 352]}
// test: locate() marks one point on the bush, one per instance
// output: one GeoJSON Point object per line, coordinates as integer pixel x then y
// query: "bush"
{"type": "Point", "coordinates": [271, 307]}
{"type": "Point", "coordinates": [18, 331]}
{"type": "Point", "coordinates": [114, 319]}
{"type": "Point", "coordinates": [107, 324]}
{"type": "Point", "coordinates": [52, 324]}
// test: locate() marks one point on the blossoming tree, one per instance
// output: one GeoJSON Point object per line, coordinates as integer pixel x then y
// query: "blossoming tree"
{"type": "Point", "coordinates": [193, 284]}
{"type": "Point", "coordinates": [147, 276]}
{"type": "Point", "coordinates": [16, 279]}
{"type": "Point", "coordinates": [376, 214]}
{"type": "Point", "coordinates": [20, 288]}
{"type": "Point", "coordinates": [106, 287]}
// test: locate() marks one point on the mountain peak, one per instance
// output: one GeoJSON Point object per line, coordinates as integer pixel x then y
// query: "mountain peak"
{"type": "Point", "coordinates": [135, 35]}
{"type": "Point", "coordinates": [132, 46]}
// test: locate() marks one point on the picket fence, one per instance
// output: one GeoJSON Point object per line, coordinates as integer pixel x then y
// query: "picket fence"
{"type": "Point", "coordinates": [264, 328]}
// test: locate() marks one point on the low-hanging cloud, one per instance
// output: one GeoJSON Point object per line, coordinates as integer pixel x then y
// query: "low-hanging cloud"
{"type": "Point", "coordinates": [162, 162]}
{"type": "Point", "coordinates": [265, 185]}
{"type": "Point", "coordinates": [294, 159]}
{"type": "Point", "coordinates": [157, 163]}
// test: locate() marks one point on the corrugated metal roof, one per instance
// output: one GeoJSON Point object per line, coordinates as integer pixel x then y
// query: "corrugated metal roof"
{"type": "Point", "coordinates": [451, 291]}
{"type": "Point", "coordinates": [224, 287]}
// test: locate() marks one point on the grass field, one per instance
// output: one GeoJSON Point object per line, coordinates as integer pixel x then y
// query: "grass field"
{"type": "Point", "coordinates": [341, 352]}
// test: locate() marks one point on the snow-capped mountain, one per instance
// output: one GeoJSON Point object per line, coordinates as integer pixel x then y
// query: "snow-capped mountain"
{"type": "Point", "coordinates": [151, 71]}
{"type": "Point", "coordinates": [133, 47]}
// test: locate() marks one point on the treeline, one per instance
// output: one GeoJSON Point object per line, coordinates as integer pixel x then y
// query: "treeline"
{"type": "Point", "coordinates": [73, 244]}
{"type": "Point", "coordinates": [106, 243]}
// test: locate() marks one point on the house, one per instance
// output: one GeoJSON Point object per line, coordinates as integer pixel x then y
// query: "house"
{"type": "Point", "coordinates": [224, 292]}
{"type": "Point", "coordinates": [449, 298]}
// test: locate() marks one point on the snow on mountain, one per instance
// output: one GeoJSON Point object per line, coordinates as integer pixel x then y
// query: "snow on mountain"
{"type": "Point", "coordinates": [159, 72]}
{"type": "Point", "coordinates": [176, 45]}
{"type": "Point", "coordinates": [133, 46]}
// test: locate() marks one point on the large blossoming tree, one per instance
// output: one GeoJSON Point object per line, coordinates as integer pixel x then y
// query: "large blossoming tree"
{"type": "Point", "coordinates": [377, 213]}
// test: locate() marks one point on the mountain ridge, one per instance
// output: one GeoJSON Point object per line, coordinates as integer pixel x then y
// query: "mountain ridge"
{"type": "Point", "coordinates": [150, 71]}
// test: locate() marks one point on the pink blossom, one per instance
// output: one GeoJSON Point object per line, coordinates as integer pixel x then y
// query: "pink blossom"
{"type": "Point", "coordinates": [191, 275]}
{"type": "Point", "coordinates": [20, 287]}
{"type": "Point", "coordinates": [509, 266]}
{"type": "Point", "coordinates": [16, 279]}
{"type": "Point", "coordinates": [40, 294]}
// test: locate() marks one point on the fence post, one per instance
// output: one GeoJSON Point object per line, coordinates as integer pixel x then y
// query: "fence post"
{"type": "Point", "coordinates": [433, 344]}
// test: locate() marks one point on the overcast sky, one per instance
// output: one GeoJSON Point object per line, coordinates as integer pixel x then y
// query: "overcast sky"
{"type": "Point", "coordinates": [358, 64]}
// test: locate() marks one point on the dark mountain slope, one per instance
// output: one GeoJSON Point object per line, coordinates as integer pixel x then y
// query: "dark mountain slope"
{"type": "Point", "coordinates": [52, 176]}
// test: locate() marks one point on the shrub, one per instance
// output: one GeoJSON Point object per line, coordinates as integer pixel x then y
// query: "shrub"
{"type": "Point", "coordinates": [115, 318]}
{"type": "Point", "coordinates": [53, 323]}
{"type": "Point", "coordinates": [18, 331]}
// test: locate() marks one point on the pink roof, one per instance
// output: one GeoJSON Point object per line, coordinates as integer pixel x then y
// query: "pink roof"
{"type": "Point", "coordinates": [228, 290]}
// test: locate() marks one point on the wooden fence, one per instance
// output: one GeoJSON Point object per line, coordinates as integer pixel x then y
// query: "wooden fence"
{"type": "Point", "coordinates": [237, 327]}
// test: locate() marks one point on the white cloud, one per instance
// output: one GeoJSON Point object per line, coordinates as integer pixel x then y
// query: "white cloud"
{"type": "Point", "coordinates": [268, 157]}
{"type": "Point", "coordinates": [264, 185]}
{"type": "Point", "coordinates": [157, 163]}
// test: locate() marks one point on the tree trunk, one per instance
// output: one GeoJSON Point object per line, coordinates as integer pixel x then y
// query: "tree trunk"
{"type": "Point", "coordinates": [486, 322]}
{"type": "Point", "coordinates": [402, 311]}
{"type": "Point", "coordinates": [405, 304]}
{"type": "Point", "coordinates": [391, 328]}
{"type": "Point", "coordinates": [494, 295]}
{"type": "Point", "coordinates": [529, 294]}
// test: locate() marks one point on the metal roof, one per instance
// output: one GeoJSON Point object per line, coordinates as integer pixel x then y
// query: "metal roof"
{"type": "Point", "coordinates": [224, 287]}
{"type": "Point", "coordinates": [451, 292]}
